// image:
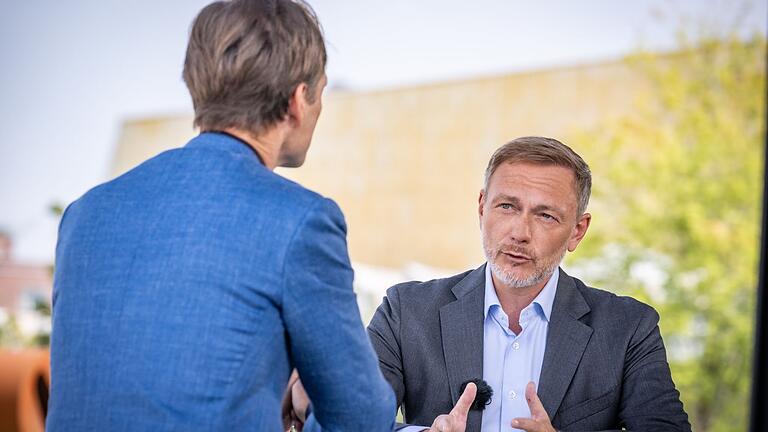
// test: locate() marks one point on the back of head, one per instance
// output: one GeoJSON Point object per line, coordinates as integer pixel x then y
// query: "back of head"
{"type": "Point", "coordinates": [545, 151]}
{"type": "Point", "coordinates": [246, 57]}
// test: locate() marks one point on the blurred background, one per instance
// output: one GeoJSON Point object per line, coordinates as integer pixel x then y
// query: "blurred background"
{"type": "Point", "coordinates": [663, 98]}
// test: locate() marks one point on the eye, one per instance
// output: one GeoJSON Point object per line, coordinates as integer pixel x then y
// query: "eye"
{"type": "Point", "coordinates": [506, 206]}
{"type": "Point", "coordinates": [548, 217]}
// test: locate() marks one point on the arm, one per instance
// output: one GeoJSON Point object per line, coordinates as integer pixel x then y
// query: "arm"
{"type": "Point", "coordinates": [649, 399]}
{"type": "Point", "coordinates": [328, 344]}
{"type": "Point", "coordinates": [384, 331]}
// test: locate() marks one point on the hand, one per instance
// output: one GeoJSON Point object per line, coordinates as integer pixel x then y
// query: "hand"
{"type": "Point", "coordinates": [294, 404]}
{"type": "Point", "coordinates": [456, 420]}
{"type": "Point", "coordinates": [539, 421]}
{"type": "Point", "coordinates": [300, 400]}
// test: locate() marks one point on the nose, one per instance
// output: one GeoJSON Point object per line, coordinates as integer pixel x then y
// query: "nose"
{"type": "Point", "coordinates": [520, 230]}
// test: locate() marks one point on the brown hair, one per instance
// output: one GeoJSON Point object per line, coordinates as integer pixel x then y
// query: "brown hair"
{"type": "Point", "coordinates": [545, 151]}
{"type": "Point", "coordinates": [245, 59]}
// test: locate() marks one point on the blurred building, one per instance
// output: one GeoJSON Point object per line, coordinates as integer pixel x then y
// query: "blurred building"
{"type": "Point", "coordinates": [406, 164]}
{"type": "Point", "coordinates": [25, 295]}
{"type": "Point", "coordinates": [20, 281]}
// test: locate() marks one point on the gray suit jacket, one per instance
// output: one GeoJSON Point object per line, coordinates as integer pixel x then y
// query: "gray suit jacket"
{"type": "Point", "coordinates": [604, 366]}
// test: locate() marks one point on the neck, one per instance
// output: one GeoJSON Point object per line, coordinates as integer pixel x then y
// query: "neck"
{"type": "Point", "coordinates": [515, 299]}
{"type": "Point", "coordinates": [266, 145]}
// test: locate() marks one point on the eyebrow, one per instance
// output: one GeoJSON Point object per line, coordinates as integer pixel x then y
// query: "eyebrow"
{"type": "Point", "coordinates": [516, 201]}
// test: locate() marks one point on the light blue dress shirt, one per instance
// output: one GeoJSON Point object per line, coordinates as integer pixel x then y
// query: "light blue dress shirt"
{"type": "Point", "coordinates": [512, 360]}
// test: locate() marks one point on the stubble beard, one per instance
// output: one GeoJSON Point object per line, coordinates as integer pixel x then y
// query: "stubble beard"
{"type": "Point", "coordinates": [542, 270]}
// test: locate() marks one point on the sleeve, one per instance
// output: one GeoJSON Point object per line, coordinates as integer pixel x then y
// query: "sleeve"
{"type": "Point", "coordinates": [327, 339]}
{"type": "Point", "coordinates": [649, 399]}
{"type": "Point", "coordinates": [62, 236]}
{"type": "Point", "coordinates": [384, 331]}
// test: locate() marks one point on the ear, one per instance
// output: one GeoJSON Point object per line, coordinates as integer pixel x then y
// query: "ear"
{"type": "Point", "coordinates": [480, 205]}
{"type": "Point", "coordinates": [579, 231]}
{"type": "Point", "coordinates": [297, 105]}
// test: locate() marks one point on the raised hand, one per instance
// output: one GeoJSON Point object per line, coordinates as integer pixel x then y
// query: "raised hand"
{"type": "Point", "coordinates": [456, 420]}
{"type": "Point", "coordinates": [295, 403]}
{"type": "Point", "coordinates": [539, 421]}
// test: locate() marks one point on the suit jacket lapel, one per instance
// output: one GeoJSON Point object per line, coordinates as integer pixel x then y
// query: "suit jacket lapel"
{"type": "Point", "coordinates": [461, 324]}
{"type": "Point", "coordinates": [567, 339]}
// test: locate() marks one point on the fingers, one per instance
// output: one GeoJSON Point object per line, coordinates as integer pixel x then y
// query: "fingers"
{"type": "Point", "coordinates": [534, 403]}
{"type": "Point", "coordinates": [528, 425]}
{"type": "Point", "coordinates": [441, 424]}
{"type": "Point", "coordinates": [539, 421]}
{"type": "Point", "coordinates": [456, 420]}
{"type": "Point", "coordinates": [299, 400]}
{"type": "Point", "coordinates": [298, 387]}
{"type": "Point", "coordinates": [465, 401]}
{"type": "Point", "coordinates": [286, 406]}
{"type": "Point", "coordinates": [292, 379]}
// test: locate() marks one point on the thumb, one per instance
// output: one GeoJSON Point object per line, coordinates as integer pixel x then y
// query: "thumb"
{"type": "Point", "coordinates": [534, 403]}
{"type": "Point", "coordinates": [465, 401]}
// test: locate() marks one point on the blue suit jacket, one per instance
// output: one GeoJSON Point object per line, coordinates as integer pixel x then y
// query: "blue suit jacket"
{"type": "Point", "coordinates": [187, 289]}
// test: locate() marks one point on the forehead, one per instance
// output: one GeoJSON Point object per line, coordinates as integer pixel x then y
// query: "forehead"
{"type": "Point", "coordinates": [549, 182]}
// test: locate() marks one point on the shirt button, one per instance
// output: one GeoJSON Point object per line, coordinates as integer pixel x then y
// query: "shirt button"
{"type": "Point", "coordinates": [512, 394]}
{"type": "Point", "coordinates": [516, 345]}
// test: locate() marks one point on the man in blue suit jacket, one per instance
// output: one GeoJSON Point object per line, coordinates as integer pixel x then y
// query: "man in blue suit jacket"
{"type": "Point", "coordinates": [187, 289]}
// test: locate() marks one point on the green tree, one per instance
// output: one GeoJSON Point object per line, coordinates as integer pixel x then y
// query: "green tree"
{"type": "Point", "coordinates": [678, 199]}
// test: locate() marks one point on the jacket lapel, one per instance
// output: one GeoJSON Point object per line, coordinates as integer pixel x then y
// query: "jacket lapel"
{"type": "Point", "coordinates": [567, 339]}
{"type": "Point", "coordinates": [461, 324]}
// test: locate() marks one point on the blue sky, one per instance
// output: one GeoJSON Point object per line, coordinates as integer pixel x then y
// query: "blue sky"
{"type": "Point", "coordinates": [73, 71]}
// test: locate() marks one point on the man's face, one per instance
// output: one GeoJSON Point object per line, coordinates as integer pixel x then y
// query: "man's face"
{"type": "Point", "coordinates": [294, 151]}
{"type": "Point", "coordinates": [528, 218]}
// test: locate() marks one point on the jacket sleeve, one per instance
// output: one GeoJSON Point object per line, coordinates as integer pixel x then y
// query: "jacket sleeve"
{"type": "Point", "coordinates": [384, 331]}
{"type": "Point", "coordinates": [649, 399]}
{"type": "Point", "coordinates": [327, 339]}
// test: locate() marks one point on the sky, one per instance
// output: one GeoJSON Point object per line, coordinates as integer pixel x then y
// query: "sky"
{"type": "Point", "coordinates": [73, 71]}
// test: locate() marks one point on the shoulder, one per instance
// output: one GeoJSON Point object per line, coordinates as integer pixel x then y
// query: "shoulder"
{"type": "Point", "coordinates": [428, 291]}
{"type": "Point", "coordinates": [197, 173]}
{"type": "Point", "coordinates": [607, 306]}
{"type": "Point", "coordinates": [415, 303]}
{"type": "Point", "coordinates": [253, 200]}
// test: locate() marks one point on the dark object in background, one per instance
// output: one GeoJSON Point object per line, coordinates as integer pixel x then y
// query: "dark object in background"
{"type": "Point", "coordinates": [759, 411]}
{"type": "Point", "coordinates": [483, 396]}
{"type": "Point", "coordinates": [24, 381]}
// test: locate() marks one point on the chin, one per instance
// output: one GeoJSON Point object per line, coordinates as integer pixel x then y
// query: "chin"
{"type": "Point", "coordinates": [511, 277]}
{"type": "Point", "coordinates": [293, 162]}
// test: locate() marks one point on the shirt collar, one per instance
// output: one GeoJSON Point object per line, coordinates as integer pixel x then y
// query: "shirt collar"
{"type": "Point", "coordinates": [544, 300]}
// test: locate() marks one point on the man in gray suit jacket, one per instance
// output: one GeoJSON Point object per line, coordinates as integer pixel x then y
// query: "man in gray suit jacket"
{"type": "Point", "coordinates": [558, 354]}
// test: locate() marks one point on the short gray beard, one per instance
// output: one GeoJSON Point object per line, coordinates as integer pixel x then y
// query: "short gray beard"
{"type": "Point", "coordinates": [509, 279]}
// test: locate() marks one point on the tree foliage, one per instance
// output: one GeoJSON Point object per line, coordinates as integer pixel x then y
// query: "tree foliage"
{"type": "Point", "coordinates": [677, 205]}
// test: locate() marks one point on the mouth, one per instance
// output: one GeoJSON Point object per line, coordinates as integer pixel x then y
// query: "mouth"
{"type": "Point", "coordinates": [517, 258]}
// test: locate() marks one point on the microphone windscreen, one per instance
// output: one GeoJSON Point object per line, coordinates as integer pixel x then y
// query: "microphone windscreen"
{"type": "Point", "coordinates": [483, 396]}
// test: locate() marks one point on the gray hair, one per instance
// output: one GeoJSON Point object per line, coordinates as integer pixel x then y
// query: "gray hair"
{"type": "Point", "coordinates": [545, 151]}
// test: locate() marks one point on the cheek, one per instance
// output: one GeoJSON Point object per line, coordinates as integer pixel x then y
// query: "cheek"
{"type": "Point", "coordinates": [552, 240]}
{"type": "Point", "coordinates": [492, 227]}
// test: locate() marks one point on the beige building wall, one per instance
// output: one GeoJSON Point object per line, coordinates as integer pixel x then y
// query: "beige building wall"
{"type": "Point", "coordinates": [406, 165]}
